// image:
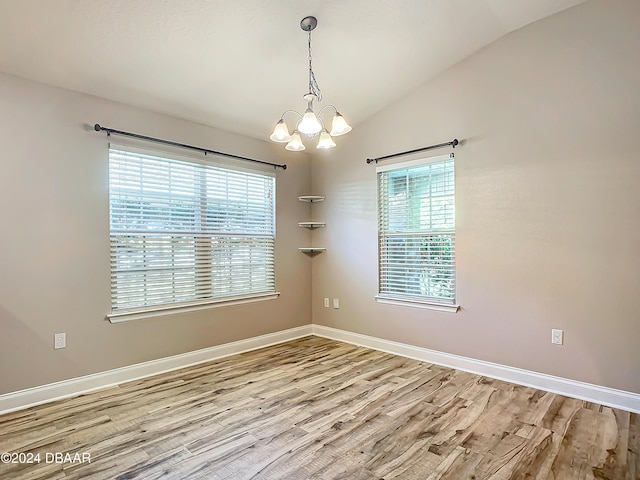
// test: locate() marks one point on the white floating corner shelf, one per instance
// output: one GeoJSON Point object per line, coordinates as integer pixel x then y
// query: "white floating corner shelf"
{"type": "Point", "coordinates": [312, 249]}
{"type": "Point", "coordinates": [311, 225]}
{"type": "Point", "coordinates": [311, 198]}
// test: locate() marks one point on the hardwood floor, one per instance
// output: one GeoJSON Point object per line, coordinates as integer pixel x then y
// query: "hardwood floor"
{"type": "Point", "coordinates": [319, 409]}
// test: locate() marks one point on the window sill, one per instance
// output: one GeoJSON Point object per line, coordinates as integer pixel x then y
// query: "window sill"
{"type": "Point", "coordinates": [151, 312]}
{"type": "Point", "coordinates": [417, 303]}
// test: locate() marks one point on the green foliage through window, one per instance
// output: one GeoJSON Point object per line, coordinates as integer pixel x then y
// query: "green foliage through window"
{"type": "Point", "coordinates": [416, 212]}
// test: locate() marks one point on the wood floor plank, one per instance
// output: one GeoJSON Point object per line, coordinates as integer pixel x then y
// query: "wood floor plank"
{"type": "Point", "coordinates": [318, 409]}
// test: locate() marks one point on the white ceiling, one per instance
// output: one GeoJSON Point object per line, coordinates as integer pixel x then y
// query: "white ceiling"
{"type": "Point", "coordinates": [238, 64]}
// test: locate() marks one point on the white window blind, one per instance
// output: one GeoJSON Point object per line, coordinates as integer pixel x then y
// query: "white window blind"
{"type": "Point", "coordinates": [416, 215]}
{"type": "Point", "coordinates": [183, 233]}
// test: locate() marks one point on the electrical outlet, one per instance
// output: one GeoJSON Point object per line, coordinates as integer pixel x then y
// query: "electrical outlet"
{"type": "Point", "coordinates": [336, 303]}
{"type": "Point", "coordinates": [557, 336]}
{"type": "Point", "coordinates": [326, 302]}
{"type": "Point", "coordinates": [60, 340]}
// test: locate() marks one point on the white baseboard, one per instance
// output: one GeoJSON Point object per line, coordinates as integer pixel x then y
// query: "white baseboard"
{"type": "Point", "coordinates": [584, 391]}
{"type": "Point", "coordinates": [19, 400]}
{"type": "Point", "coordinates": [76, 386]}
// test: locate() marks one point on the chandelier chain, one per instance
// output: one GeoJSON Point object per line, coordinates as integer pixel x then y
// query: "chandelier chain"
{"type": "Point", "coordinates": [313, 84]}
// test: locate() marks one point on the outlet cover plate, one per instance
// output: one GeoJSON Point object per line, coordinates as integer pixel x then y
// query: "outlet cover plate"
{"type": "Point", "coordinates": [59, 340]}
{"type": "Point", "coordinates": [557, 336]}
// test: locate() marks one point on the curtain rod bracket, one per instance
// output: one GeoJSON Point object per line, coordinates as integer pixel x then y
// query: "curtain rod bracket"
{"type": "Point", "coordinates": [98, 128]}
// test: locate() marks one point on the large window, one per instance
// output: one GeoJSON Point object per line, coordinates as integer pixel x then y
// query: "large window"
{"type": "Point", "coordinates": [416, 232]}
{"type": "Point", "coordinates": [186, 234]}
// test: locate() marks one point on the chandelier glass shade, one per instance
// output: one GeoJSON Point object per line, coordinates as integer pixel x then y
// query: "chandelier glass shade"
{"type": "Point", "coordinates": [295, 143]}
{"type": "Point", "coordinates": [310, 123]}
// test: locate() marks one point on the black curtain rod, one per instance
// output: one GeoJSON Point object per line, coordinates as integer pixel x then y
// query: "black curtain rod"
{"type": "Point", "coordinates": [109, 131]}
{"type": "Point", "coordinates": [452, 143]}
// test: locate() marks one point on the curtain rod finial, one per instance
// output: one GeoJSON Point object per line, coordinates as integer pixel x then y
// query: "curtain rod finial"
{"type": "Point", "coordinates": [97, 127]}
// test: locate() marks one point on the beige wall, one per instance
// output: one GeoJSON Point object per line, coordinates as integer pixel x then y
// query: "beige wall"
{"type": "Point", "coordinates": [548, 202]}
{"type": "Point", "coordinates": [548, 216]}
{"type": "Point", "coordinates": [54, 249]}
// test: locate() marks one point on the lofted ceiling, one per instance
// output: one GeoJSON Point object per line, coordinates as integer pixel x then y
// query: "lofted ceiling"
{"type": "Point", "coordinates": [238, 64]}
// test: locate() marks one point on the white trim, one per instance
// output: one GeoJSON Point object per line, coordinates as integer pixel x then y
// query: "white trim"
{"type": "Point", "coordinates": [182, 154]}
{"type": "Point", "coordinates": [30, 397]}
{"type": "Point", "coordinates": [584, 391]}
{"type": "Point", "coordinates": [22, 399]}
{"type": "Point", "coordinates": [152, 312]}
{"type": "Point", "coordinates": [414, 163]}
{"type": "Point", "coordinates": [405, 302]}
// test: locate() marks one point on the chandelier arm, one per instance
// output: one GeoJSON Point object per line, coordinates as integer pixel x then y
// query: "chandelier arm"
{"type": "Point", "coordinates": [295, 126]}
{"type": "Point", "coordinates": [290, 111]}
{"type": "Point", "coordinates": [321, 121]}
{"type": "Point", "coordinates": [335, 110]}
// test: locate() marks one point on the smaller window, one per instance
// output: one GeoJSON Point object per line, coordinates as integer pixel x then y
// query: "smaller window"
{"type": "Point", "coordinates": [416, 233]}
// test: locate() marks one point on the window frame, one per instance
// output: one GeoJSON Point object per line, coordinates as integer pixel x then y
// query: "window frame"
{"type": "Point", "coordinates": [409, 300]}
{"type": "Point", "coordinates": [148, 311]}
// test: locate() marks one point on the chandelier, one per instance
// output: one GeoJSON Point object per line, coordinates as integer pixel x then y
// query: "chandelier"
{"type": "Point", "coordinates": [310, 123]}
